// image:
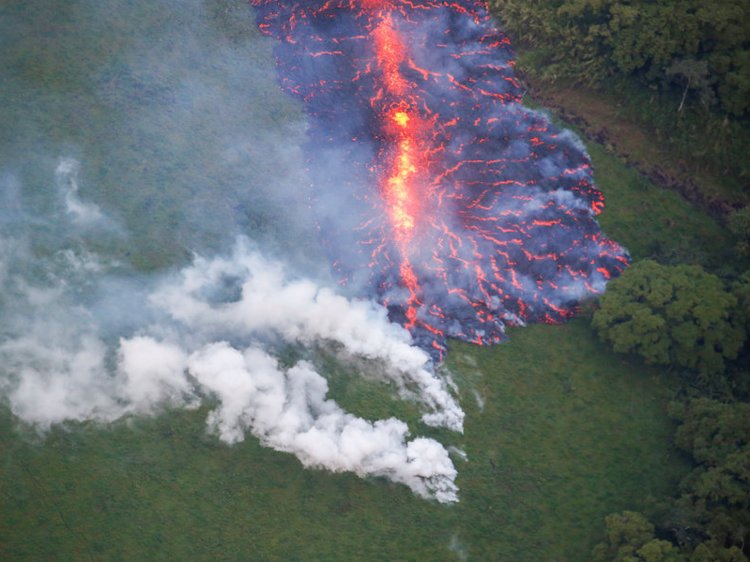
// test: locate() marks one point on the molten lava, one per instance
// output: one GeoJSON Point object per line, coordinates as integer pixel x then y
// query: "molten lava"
{"type": "Point", "coordinates": [436, 191]}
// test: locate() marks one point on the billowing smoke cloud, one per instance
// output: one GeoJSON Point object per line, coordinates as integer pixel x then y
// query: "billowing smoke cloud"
{"type": "Point", "coordinates": [286, 409]}
{"type": "Point", "coordinates": [289, 412]}
{"type": "Point", "coordinates": [247, 294]}
{"type": "Point", "coordinates": [55, 376]}
{"type": "Point", "coordinates": [207, 332]}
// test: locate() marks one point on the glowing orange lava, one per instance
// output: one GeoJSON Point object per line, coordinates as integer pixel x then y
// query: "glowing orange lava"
{"type": "Point", "coordinates": [400, 185]}
{"type": "Point", "coordinates": [390, 52]}
{"type": "Point", "coordinates": [460, 210]}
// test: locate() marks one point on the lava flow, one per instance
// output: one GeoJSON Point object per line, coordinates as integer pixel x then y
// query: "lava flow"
{"type": "Point", "coordinates": [436, 191]}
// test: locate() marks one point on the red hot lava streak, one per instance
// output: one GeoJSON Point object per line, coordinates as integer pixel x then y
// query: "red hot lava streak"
{"type": "Point", "coordinates": [437, 192]}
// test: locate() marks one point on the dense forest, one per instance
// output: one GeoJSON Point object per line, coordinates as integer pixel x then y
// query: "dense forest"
{"type": "Point", "coordinates": [697, 324]}
{"type": "Point", "coordinates": [697, 47]}
{"type": "Point", "coordinates": [682, 66]}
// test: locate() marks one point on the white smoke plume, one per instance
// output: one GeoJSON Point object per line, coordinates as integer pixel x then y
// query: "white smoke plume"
{"type": "Point", "coordinates": [66, 177]}
{"type": "Point", "coordinates": [299, 310]}
{"type": "Point", "coordinates": [289, 412]}
{"type": "Point", "coordinates": [54, 377]}
{"type": "Point", "coordinates": [56, 367]}
{"type": "Point", "coordinates": [152, 375]}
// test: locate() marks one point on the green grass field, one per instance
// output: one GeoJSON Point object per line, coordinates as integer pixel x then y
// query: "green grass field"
{"type": "Point", "coordinates": [655, 223]}
{"type": "Point", "coordinates": [559, 431]}
{"type": "Point", "coordinates": [566, 433]}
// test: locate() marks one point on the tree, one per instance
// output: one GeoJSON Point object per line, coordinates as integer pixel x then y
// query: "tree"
{"type": "Point", "coordinates": [717, 435]}
{"type": "Point", "coordinates": [716, 494]}
{"type": "Point", "coordinates": [710, 520]}
{"type": "Point", "coordinates": [659, 551]}
{"type": "Point", "coordinates": [739, 225]}
{"type": "Point", "coordinates": [712, 551]}
{"type": "Point", "coordinates": [741, 290]}
{"type": "Point", "coordinates": [630, 538]}
{"type": "Point", "coordinates": [696, 76]}
{"type": "Point", "coordinates": [671, 315]}
{"type": "Point", "coordinates": [686, 44]}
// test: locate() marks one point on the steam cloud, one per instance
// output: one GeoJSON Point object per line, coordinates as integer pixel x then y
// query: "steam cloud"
{"type": "Point", "coordinates": [212, 329]}
{"type": "Point", "coordinates": [289, 412]}
{"type": "Point", "coordinates": [300, 311]}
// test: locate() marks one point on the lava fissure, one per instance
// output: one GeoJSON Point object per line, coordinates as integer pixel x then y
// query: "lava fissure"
{"type": "Point", "coordinates": [467, 210]}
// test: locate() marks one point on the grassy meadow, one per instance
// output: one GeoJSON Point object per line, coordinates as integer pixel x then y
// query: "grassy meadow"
{"type": "Point", "coordinates": [558, 434]}
{"type": "Point", "coordinates": [559, 431]}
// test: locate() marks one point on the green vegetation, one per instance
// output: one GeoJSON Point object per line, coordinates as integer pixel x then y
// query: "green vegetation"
{"type": "Point", "coordinates": [677, 315]}
{"type": "Point", "coordinates": [739, 225]}
{"type": "Point", "coordinates": [717, 436]}
{"type": "Point", "coordinates": [566, 432]}
{"type": "Point", "coordinates": [630, 538]}
{"type": "Point", "coordinates": [711, 516]}
{"type": "Point", "coordinates": [654, 223]}
{"type": "Point", "coordinates": [689, 45]}
{"type": "Point", "coordinates": [695, 323]}
{"type": "Point", "coordinates": [665, 85]}
{"type": "Point", "coordinates": [680, 70]}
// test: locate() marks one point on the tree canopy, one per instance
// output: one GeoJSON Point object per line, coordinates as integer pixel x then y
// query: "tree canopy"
{"type": "Point", "coordinates": [739, 225]}
{"type": "Point", "coordinates": [671, 315]}
{"type": "Point", "coordinates": [710, 520]}
{"type": "Point", "coordinates": [691, 45]}
{"type": "Point", "coordinates": [630, 538]}
{"type": "Point", "coordinates": [717, 435]}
